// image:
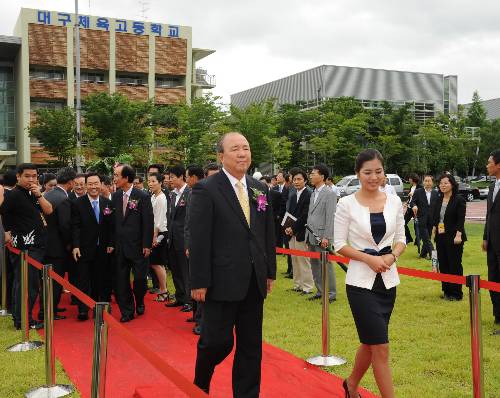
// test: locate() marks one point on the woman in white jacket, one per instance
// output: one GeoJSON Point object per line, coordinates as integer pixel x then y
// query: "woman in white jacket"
{"type": "Point", "coordinates": [369, 229]}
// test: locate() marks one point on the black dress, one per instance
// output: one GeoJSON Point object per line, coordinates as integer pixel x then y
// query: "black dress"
{"type": "Point", "coordinates": [372, 308]}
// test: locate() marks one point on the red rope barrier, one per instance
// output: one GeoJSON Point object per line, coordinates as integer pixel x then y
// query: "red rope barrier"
{"type": "Point", "coordinates": [402, 270]}
{"type": "Point", "coordinates": [154, 359]}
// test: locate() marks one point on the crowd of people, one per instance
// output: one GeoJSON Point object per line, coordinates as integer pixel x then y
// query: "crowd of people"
{"type": "Point", "coordinates": [217, 237]}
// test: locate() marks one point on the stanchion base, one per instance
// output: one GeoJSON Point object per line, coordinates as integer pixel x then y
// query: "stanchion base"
{"type": "Point", "coordinates": [25, 346]}
{"type": "Point", "coordinates": [58, 390]}
{"type": "Point", "coordinates": [5, 313]}
{"type": "Point", "coordinates": [329, 360]}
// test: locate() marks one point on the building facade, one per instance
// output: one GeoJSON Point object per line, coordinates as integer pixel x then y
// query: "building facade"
{"type": "Point", "coordinates": [427, 93]}
{"type": "Point", "coordinates": [491, 106]}
{"type": "Point", "coordinates": [141, 60]}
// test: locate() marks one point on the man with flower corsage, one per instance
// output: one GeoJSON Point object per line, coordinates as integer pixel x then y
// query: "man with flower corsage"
{"type": "Point", "coordinates": [232, 266]}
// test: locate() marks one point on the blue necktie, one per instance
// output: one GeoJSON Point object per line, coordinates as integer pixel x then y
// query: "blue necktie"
{"type": "Point", "coordinates": [95, 206]}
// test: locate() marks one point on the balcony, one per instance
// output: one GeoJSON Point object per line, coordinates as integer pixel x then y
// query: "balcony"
{"type": "Point", "coordinates": [203, 79]}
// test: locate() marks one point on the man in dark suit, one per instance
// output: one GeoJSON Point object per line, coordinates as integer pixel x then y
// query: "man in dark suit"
{"type": "Point", "coordinates": [275, 200]}
{"type": "Point", "coordinates": [283, 188]}
{"type": "Point", "coordinates": [423, 203]}
{"type": "Point", "coordinates": [59, 231]}
{"type": "Point", "coordinates": [132, 238]}
{"type": "Point", "coordinates": [298, 207]}
{"type": "Point", "coordinates": [177, 250]}
{"type": "Point", "coordinates": [233, 265]}
{"type": "Point", "coordinates": [91, 229]}
{"type": "Point", "coordinates": [491, 237]}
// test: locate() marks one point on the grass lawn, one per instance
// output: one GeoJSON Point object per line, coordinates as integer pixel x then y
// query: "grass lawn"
{"type": "Point", "coordinates": [430, 340]}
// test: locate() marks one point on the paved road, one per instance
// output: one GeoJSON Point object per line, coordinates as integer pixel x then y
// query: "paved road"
{"type": "Point", "coordinates": [476, 211]}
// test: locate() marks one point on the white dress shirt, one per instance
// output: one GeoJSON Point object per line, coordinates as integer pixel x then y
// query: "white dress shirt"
{"type": "Point", "coordinates": [316, 192]}
{"type": "Point", "coordinates": [178, 193]}
{"type": "Point", "coordinates": [352, 227]}
{"type": "Point", "coordinates": [299, 193]}
{"type": "Point", "coordinates": [234, 181]}
{"type": "Point", "coordinates": [159, 204]}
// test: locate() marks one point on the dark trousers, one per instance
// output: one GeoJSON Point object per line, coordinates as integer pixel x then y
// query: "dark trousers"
{"type": "Point", "coordinates": [124, 294]}
{"type": "Point", "coordinates": [450, 262]}
{"type": "Point", "coordinates": [90, 273]}
{"type": "Point", "coordinates": [425, 236]}
{"type": "Point", "coordinates": [493, 258]}
{"type": "Point", "coordinates": [216, 342]}
{"type": "Point", "coordinates": [36, 253]}
{"type": "Point", "coordinates": [180, 275]}
{"type": "Point", "coordinates": [59, 267]}
{"type": "Point", "coordinates": [408, 216]}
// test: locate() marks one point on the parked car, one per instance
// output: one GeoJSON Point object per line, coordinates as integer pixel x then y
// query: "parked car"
{"type": "Point", "coordinates": [483, 193]}
{"type": "Point", "coordinates": [350, 184]}
{"type": "Point", "coordinates": [469, 193]}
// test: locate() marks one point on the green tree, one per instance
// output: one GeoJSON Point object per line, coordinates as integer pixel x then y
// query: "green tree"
{"type": "Point", "coordinates": [476, 114]}
{"type": "Point", "coordinates": [114, 125]}
{"type": "Point", "coordinates": [55, 129]}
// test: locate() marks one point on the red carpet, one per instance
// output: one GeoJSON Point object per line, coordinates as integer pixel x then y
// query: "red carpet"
{"type": "Point", "coordinates": [166, 331]}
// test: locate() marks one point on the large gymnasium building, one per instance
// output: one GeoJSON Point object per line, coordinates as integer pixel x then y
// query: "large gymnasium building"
{"type": "Point", "coordinates": [142, 60]}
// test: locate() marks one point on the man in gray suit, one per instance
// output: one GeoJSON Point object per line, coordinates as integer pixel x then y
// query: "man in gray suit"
{"type": "Point", "coordinates": [320, 219]}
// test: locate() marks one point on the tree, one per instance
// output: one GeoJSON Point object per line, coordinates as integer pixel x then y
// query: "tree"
{"type": "Point", "coordinates": [55, 129]}
{"type": "Point", "coordinates": [114, 125]}
{"type": "Point", "coordinates": [476, 114]}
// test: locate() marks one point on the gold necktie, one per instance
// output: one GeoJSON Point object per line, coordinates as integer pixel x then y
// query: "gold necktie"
{"type": "Point", "coordinates": [243, 199]}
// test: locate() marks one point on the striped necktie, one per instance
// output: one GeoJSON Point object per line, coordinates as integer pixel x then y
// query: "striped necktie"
{"type": "Point", "coordinates": [243, 199]}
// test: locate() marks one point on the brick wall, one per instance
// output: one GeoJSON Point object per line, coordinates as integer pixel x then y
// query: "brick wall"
{"type": "Point", "coordinates": [94, 49]}
{"type": "Point", "coordinates": [52, 89]}
{"type": "Point", "coordinates": [132, 53]}
{"type": "Point", "coordinates": [91, 88]}
{"type": "Point", "coordinates": [47, 45]}
{"type": "Point", "coordinates": [170, 56]}
{"type": "Point", "coordinates": [38, 155]}
{"type": "Point", "coordinates": [166, 95]}
{"type": "Point", "coordinates": [136, 93]}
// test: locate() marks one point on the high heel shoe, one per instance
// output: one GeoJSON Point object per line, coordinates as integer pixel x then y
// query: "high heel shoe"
{"type": "Point", "coordinates": [346, 390]}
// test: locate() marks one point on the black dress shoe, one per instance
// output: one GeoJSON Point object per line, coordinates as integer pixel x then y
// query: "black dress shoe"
{"type": "Point", "coordinates": [289, 276]}
{"type": "Point", "coordinates": [83, 316]}
{"type": "Point", "coordinates": [187, 308]}
{"type": "Point", "coordinates": [60, 309]}
{"type": "Point", "coordinates": [497, 320]}
{"type": "Point", "coordinates": [294, 289]}
{"type": "Point", "coordinates": [197, 330]}
{"type": "Point", "coordinates": [126, 318]}
{"type": "Point", "coordinates": [36, 325]}
{"type": "Point", "coordinates": [174, 304]}
{"type": "Point", "coordinates": [140, 309]}
{"type": "Point", "coordinates": [315, 297]}
{"type": "Point", "coordinates": [332, 299]}
{"type": "Point", "coordinates": [304, 293]}
{"type": "Point", "coordinates": [190, 319]}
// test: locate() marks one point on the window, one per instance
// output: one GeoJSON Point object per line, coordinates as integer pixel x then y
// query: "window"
{"type": "Point", "coordinates": [46, 105]}
{"type": "Point", "coordinates": [168, 81]}
{"type": "Point", "coordinates": [92, 77]}
{"type": "Point", "coordinates": [394, 181]}
{"type": "Point", "coordinates": [131, 80]}
{"type": "Point", "coordinates": [354, 182]}
{"type": "Point", "coordinates": [47, 74]}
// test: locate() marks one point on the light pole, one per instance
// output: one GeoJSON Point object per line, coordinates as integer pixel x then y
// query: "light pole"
{"type": "Point", "coordinates": [78, 92]}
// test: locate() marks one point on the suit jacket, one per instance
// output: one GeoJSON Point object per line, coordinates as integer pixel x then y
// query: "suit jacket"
{"type": "Point", "coordinates": [492, 225]}
{"type": "Point", "coordinates": [86, 233]}
{"type": "Point", "coordinates": [353, 228]}
{"type": "Point", "coordinates": [224, 249]}
{"type": "Point", "coordinates": [300, 210]}
{"type": "Point", "coordinates": [321, 215]}
{"type": "Point", "coordinates": [58, 224]}
{"type": "Point", "coordinates": [425, 210]}
{"type": "Point", "coordinates": [177, 220]}
{"type": "Point", "coordinates": [454, 217]}
{"type": "Point", "coordinates": [133, 231]}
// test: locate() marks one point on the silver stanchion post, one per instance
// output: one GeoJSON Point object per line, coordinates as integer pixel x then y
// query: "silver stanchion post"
{"type": "Point", "coordinates": [325, 359]}
{"type": "Point", "coordinates": [26, 344]}
{"type": "Point", "coordinates": [3, 308]}
{"type": "Point", "coordinates": [476, 336]}
{"type": "Point", "coordinates": [98, 388]}
{"type": "Point", "coordinates": [50, 389]}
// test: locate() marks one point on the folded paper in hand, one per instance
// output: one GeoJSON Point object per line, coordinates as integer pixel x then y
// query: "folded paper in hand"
{"type": "Point", "coordinates": [288, 220]}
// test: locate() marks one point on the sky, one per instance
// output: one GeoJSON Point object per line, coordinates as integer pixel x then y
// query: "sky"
{"type": "Point", "coordinates": [260, 41]}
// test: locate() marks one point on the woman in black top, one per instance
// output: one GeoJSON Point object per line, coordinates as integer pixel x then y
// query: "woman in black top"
{"type": "Point", "coordinates": [448, 222]}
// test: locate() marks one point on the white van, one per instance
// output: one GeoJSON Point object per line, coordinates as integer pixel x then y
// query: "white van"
{"type": "Point", "coordinates": [350, 184]}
